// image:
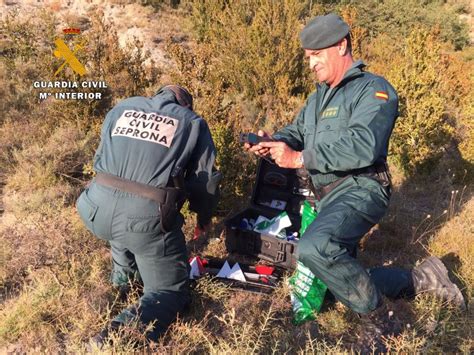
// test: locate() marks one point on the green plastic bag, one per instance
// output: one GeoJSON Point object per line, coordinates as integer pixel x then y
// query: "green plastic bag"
{"type": "Point", "coordinates": [307, 291]}
{"type": "Point", "coordinates": [307, 217]}
{"type": "Point", "coordinates": [307, 294]}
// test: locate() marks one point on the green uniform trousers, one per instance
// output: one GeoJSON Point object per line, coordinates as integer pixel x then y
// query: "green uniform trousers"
{"type": "Point", "coordinates": [329, 245]}
{"type": "Point", "coordinates": [132, 226]}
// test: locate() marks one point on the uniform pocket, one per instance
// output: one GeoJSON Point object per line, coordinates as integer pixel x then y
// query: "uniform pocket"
{"type": "Point", "coordinates": [145, 224]}
{"type": "Point", "coordinates": [144, 236]}
{"type": "Point", "coordinates": [87, 210]}
{"type": "Point", "coordinates": [328, 125]}
{"type": "Point", "coordinates": [328, 130]}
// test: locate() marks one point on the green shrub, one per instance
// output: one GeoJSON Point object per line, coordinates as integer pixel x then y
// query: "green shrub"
{"type": "Point", "coordinates": [195, 71]}
{"type": "Point", "coordinates": [423, 130]}
{"type": "Point", "coordinates": [256, 51]}
{"type": "Point", "coordinates": [399, 17]}
{"type": "Point", "coordinates": [459, 98]}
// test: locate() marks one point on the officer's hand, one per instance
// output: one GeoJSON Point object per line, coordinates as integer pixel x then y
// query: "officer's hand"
{"type": "Point", "coordinates": [284, 156]}
{"type": "Point", "coordinates": [257, 149]}
{"type": "Point", "coordinates": [201, 231]}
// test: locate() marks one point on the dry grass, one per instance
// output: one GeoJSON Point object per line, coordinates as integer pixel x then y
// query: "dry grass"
{"type": "Point", "coordinates": [56, 292]}
{"type": "Point", "coordinates": [454, 244]}
{"type": "Point", "coordinates": [55, 283]}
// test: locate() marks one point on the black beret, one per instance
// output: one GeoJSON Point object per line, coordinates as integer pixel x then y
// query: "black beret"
{"type": "Point", "coordinates": [323, 31]}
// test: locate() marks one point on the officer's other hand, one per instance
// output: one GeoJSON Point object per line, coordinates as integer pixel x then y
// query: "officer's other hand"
{"type": "Point", "coordinates": [283, 155]}
{"type": "Point", "coordinates": [201, 231]}
{"type": "Point", "coordinates": [257, 149]}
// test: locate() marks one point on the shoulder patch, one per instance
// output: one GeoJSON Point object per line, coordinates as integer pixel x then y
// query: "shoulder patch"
{"type": "Point", "coordinates": [381, 95]}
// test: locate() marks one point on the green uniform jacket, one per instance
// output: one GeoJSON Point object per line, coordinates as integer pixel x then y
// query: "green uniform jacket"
{"type": "Point", "coordinates": [147, 139]}
{"type": "Point", "coordinates": [344, 128]}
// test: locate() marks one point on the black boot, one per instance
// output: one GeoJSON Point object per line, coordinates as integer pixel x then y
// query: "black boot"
{"type": "Point", "coordinates": [432, 276]}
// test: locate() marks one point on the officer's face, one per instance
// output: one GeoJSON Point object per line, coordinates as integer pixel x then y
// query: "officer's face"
{"type": "Point", "coordinates": [325, 63]}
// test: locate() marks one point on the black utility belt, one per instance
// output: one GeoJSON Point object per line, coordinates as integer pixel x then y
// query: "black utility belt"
{"type": "Point", "coordinates": [378, 172]}
{"type": "Point", "coordinates": [153, 193]}
{"type": "Point", "coordinates": [170, 199]}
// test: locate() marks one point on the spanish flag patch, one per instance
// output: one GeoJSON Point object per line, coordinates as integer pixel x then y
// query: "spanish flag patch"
{"type": "Point", "coordinates": [381, 95]}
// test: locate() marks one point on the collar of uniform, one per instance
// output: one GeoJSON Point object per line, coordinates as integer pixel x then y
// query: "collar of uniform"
{"type": "Point", "coordinates": [354, 70]}
{"type": "Point", "coordinates": [164, 95]}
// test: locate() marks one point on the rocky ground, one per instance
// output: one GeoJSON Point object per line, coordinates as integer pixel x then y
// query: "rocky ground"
{"type": "Point", "coordinates": [131, 20]}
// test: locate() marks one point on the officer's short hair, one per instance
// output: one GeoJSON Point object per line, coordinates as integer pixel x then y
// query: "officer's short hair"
{"type": "Point", "coordinates": [349, 42]}
{"type": "Point", "coordinates": [182, 95]}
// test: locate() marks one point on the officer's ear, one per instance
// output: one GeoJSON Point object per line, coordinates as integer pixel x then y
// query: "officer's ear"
{"type": "Point", "coordinates": [342, 47]}
{"type": "Point", "coordinates": [345, 46]}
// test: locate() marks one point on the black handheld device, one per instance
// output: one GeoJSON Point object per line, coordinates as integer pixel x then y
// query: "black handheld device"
{"type": "Point", "coordinates": [253, 139]}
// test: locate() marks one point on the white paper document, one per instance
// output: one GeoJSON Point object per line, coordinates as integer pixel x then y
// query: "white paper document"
{"type": "Point", "coordinates": [224, 271]}
{"type": "Point", "coordinates": [194, 272]}
{"type": "Point", "coordinates": [273, 226]}
{"type": "Point", "coordinates": [236, 273]}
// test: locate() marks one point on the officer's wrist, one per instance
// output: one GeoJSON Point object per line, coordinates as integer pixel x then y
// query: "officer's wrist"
{"type": "Point", "coordinates": [299, 160]}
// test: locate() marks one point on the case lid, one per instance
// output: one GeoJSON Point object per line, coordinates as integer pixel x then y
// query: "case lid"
{"type": "Point", "coordinates": [278, 189]}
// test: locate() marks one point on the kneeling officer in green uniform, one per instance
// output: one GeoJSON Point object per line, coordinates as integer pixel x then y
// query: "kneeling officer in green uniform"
{"type": "Point", "coordinates": [341, 138]}
{"type": "Point", "coordinates": [154, 153]}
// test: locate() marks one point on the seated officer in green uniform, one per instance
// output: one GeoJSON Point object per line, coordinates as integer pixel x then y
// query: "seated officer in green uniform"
{"type": "Point", "coordinates": [154, 153]}
{"type": "Point", "coordinates": [341, 138]}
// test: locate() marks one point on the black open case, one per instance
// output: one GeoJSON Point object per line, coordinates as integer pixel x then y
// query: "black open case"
{"type": "Point", "coordinates": [276, 190]}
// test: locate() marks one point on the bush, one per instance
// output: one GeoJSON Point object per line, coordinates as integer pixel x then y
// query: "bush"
{"type": "Point", "coordinates": [399, 17]}
{"type": "Point", "coordinates": [196, 72]}
{"type": "Point", "coordinates": [423, 130]}
{"type": "Point", "coordinates": [257, 53]}
{"type": "Point", "coordinates": [459, 97]}
{"type": "Point", "coordinates": [350, 14]}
